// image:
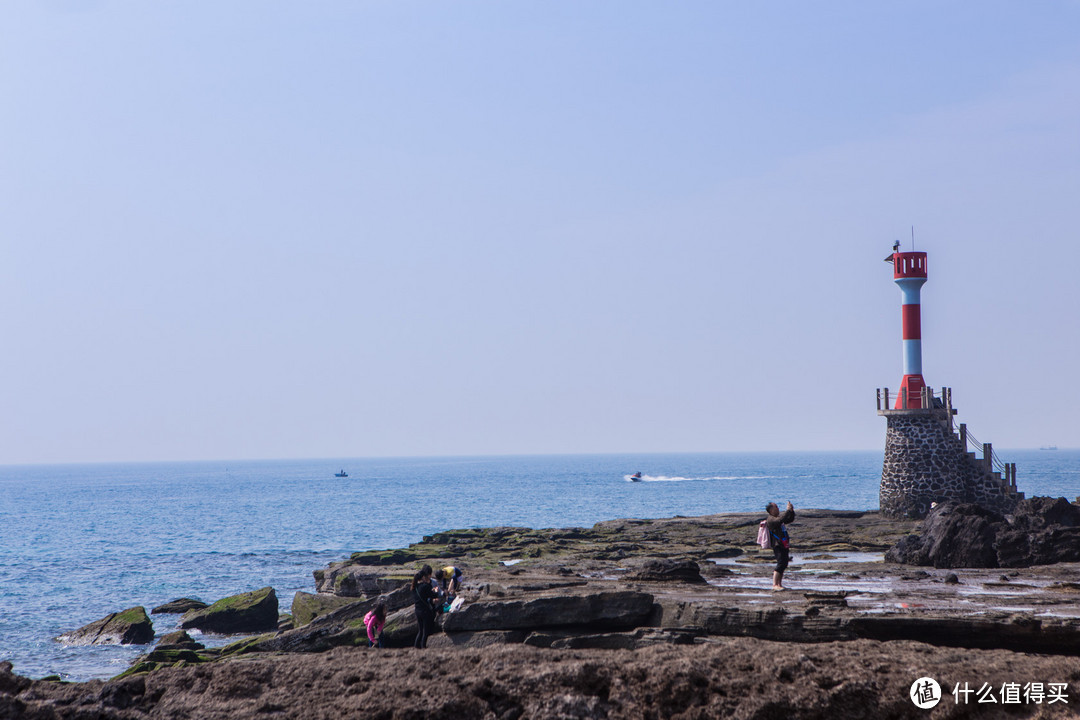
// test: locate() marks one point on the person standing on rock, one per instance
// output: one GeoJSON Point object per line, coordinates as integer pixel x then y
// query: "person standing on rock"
{"type": "Point", "coordinates": [775, 523]}
{"type": "Point", "coordinates": [424, 599]}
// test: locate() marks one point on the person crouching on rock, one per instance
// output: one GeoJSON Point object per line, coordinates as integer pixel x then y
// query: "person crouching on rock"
{"type": "Point", "coordinates": [450, 577]}
{"type": "Point", "coordinates": [374, 621]}
{"type": "Point", "coordinates": [424, 599]}
{"type": "Point", "coordinates": [775, 523]}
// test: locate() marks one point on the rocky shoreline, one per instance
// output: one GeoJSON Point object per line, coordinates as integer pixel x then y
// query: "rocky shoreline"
{"type": "Point", "coordinates": [629, 618]}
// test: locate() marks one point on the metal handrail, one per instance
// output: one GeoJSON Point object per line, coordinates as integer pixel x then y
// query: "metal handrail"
{"type": "Point", "coordinates": [995, 462]}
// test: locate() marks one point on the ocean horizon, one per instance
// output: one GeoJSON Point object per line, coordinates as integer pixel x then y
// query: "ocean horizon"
{"type": "Point", "coordinates": [79, 541]}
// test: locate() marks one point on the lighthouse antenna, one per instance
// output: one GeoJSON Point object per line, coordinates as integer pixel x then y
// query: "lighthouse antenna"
{"type": "Point", "coordinates": [912, 238]}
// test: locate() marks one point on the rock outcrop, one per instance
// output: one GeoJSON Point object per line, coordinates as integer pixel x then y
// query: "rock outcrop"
{"type": "Point", "coordinates": [954, 535]}
{"type": "Point", "coordinates": [1041, 531]}
{"type": "Point", "coordinates": [10, 683]}
{"type": "Point", "coordinates": [618, 610]}
{"type": "Point", "coordinates": [179, 606]}
{"type": "Point", "coordinates": [358, 578]}
{"type": "Point", "coordinates": [173, 648]}
{"type": "Point", "coordinates": [343, 626]}
{"type": "Point", "coordinates": [127, 627]}
{"type": "Point", "coordinates": [666, 570]}
{"type": "Point", "coordinates": [249, 612]}
{"type": "Point", "coordinates": [177, 640]}
{"type": "Point", "coordinates": [306, 607]}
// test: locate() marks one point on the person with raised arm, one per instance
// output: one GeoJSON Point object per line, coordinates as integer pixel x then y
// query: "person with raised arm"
{"type": "Point", "coordinates": [776, 524]}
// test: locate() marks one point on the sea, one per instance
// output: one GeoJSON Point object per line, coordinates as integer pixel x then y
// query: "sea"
{"type": "Point", "coordinates": [78, 542]}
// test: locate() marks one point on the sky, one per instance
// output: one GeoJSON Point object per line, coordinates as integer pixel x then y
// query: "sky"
{"type": "Point", "coordinates": [261, 229]}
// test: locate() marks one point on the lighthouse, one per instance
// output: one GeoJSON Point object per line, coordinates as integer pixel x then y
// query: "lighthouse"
{"type": "Point", "coordinates": [926, 455]}
{"type": "Point", "coordinates": [909, 272]}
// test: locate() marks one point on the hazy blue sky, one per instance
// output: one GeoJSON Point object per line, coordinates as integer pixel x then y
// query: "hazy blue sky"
{"type": "Point", "coordinates": [271, 229]}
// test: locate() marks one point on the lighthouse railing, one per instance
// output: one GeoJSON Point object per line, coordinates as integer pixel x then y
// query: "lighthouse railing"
{"type": "Point", "coordinates": [927, 400]}
{"type": "Point", "coordinates": [993, 461]}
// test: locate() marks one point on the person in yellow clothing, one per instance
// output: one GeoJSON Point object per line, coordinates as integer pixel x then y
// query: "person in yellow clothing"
{"type": "Point", "coordinates": [450, 579]}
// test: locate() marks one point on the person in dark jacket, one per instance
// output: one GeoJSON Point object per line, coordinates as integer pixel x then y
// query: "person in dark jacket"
{"type": "Point", "coordinates": [775, 523]}
{"type": "Point", "coordinates": [424, 599]}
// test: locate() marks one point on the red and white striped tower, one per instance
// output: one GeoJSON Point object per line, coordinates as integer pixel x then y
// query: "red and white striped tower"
{"type": "Point", "coordinates": [909, 272]}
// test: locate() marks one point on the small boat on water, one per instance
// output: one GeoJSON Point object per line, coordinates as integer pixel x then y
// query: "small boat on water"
{"type": "Point", "coordinates": [342, 473]}
{"type": "Point", "coordinates": [636, 477]}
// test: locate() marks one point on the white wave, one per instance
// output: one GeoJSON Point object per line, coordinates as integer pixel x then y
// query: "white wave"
{"type": "Point", "coordinates": [677, 478]}
{"type": "Point", "coordinates": [72, 640]}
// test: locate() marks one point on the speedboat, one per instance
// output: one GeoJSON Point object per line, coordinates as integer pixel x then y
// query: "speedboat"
{"type": "Point", "coordinates": [636, 477]}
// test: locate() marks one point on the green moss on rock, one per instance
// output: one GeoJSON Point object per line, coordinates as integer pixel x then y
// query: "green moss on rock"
{"type": "Point", "coordinates": [385, 557]}
{"type": "Point", "coordinates": [306, 607]}
{"type": "Point", "coordinates": [172, 656]}
{"type": "Point", "coordinates": [127, 627]}
{"type": "Point", "coordinates": [140, 668]}
{"type": "Point", "coordinates": [244, 646]}
{"type": "Point", "coordinates": [247, 612]}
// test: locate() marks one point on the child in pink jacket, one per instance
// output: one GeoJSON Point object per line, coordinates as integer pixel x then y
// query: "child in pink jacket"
{"type": "Point", "coordinates": [374, 622]}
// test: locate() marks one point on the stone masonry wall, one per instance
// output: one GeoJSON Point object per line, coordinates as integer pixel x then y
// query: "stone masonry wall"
{"type": "Point", "coordinates": [925, 463]}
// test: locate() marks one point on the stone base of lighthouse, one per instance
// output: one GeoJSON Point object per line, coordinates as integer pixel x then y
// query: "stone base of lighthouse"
{"type": "Point", "coordinates": [926, 462]}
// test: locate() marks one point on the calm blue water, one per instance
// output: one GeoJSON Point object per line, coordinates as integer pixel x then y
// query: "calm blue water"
{"type": "Point", "coordinates": [80, 541]}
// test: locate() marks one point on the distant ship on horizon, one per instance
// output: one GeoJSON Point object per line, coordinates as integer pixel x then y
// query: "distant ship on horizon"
{"type": "Point", "coordinates": [1049, 447]}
